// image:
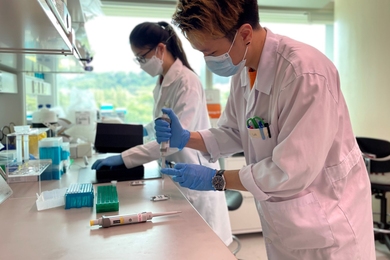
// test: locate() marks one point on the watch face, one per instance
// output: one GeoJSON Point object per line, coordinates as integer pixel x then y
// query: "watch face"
{"type": "Point", "coordinates": [218, 182]}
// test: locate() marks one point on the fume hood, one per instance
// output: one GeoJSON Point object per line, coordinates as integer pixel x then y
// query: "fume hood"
{"type": "Point", "coordinates": [43, 36]}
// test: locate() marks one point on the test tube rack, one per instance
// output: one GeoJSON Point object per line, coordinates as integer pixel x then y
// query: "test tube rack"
{"type": "Point", "coordinates": [107, 199]}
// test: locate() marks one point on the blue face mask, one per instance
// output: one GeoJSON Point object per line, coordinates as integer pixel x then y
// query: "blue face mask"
{"type": "Point", "coordinates": [222, 65]}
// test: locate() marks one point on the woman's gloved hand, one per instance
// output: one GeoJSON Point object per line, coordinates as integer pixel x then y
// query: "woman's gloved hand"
{"type": "Point", "coordinates": [111, 161]}
{"type": "Point", "coordinates": [145, 132]}
{"type": "Point", "coordinates": [192, 176]}
{"type": "Point", "coordinates": [174, 132]}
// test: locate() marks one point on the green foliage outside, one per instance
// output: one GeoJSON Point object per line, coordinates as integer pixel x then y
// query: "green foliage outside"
{"type": "Point", "coordinates": [31, 103]}
{"type": "Point", "coordinates": [131, 91]}
{"type": "Point", "coordinates": [128, 90]}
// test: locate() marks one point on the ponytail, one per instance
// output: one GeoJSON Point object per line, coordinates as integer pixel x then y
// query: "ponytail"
{"type": "Point", "coordinates": [149, 35]}
{"type": "Point", "coordinates": [174, 44]}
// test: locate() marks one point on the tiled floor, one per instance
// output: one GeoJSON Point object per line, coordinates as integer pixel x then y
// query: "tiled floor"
{"type": "Point", "coordinates": [252, 248]}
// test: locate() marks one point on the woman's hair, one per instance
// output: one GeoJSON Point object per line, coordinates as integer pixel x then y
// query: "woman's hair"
{"type": "Point", "coordinates": [218, 18]}
{"type": "Point", "coordinates": [149, 35]}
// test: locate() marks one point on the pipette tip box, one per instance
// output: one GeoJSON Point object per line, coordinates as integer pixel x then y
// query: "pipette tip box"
{"type": "Point", "coordinates": [107, 199]}
{"type": "Point", "coordinates": [79, 195]}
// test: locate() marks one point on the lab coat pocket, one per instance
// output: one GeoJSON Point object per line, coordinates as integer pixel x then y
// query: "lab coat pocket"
{"type": "Point", "coordinates": [301, 223]}
{"type": "Point", "coordinates": [263, 147]}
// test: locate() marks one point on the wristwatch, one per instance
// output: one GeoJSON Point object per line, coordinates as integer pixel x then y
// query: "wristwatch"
{"type": "Point", "coordinates": [219, 182]}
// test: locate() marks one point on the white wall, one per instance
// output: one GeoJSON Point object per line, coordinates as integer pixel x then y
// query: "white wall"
{"type": "Point", "coordinates": [362, 55]}
{"type": "Point", "coordinates": [12, 106]}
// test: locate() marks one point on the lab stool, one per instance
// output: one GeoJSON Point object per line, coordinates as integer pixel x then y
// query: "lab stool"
{"type": "Point", "coordinates": [234, 200]}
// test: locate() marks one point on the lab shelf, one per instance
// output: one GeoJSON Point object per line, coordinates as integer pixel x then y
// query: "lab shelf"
{"type": "Point", "coordinates": [28, 171]}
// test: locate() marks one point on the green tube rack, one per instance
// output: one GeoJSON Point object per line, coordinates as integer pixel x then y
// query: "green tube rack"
{"type": "Point", "coordinates": [107, 199]}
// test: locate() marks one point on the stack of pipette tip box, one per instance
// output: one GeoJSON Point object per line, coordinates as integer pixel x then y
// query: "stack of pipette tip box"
{"type": "Point", "coordinates": [79, 195]}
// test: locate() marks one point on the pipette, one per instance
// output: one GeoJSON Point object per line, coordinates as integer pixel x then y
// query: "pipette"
{"type": "Point", "coordinates": [117, 220]}
{"type": "Point", "coordinates": [164, 145]}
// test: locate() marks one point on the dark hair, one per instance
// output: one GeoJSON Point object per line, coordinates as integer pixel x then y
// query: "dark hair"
{"type": "Point", "coordinates": [149, 35]}
{"type": "Point", "coordinates": [217, 18]}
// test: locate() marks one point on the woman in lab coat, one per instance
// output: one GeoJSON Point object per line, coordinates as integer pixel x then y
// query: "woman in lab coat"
{"type": "Point", "coordinates": [287, 113]}
{"type": "Point", "coordinates": [159, 52]}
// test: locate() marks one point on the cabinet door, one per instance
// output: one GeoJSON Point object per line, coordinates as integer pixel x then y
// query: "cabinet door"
{"type": "Point", "coordinates": [235, 163]}
{"type": "Point", "coordinates": [8, 82]}
{"type": "Point", "coordinates": [29, 85]}
{"type": "Point", "coordinates": [36, 86]}
{"type": "Point", "coordinates": [45, 89]}
{"type": "Point", "coordinates": [248, 209]}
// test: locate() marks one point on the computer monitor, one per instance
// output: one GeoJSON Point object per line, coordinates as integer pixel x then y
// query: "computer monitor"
{"type": "Point", "coordinates": [116, 138]}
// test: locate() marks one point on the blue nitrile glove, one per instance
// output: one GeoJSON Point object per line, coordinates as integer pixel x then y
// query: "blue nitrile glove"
{"type": "Point", "coordinates": [192, 176]}
{"type": "Point", "coordinates": [145, 131]}
{"type": "Point", "coordinates": [174, 132]}
{"type": "Point", "coordinates": [111, 161]}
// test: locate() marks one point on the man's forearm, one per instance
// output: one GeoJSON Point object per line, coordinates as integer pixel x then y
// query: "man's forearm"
{"type": "Point", "coordinates": [196, 142]}
{"type": "Point", "coordinates": [231, 176]}
{"type": "Point", "coordinates": [233, 181]}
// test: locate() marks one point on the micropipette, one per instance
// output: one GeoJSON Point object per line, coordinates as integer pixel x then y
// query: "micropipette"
{"type": "Point", "coordinates": [164, 145]}
{"type": "Point", "coordinates": [117, 220]}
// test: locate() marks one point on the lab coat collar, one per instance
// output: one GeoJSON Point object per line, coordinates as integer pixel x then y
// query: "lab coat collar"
{"type": "Point", "coordinates": [267, 66]}
{"type": "Point", "coordinates": [173, 73]}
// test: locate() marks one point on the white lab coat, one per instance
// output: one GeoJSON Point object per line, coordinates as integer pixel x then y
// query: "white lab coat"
{"type": "Point", "coordinates": [309, 181]}
{"type": "Point", "coordinates": [181, 90]}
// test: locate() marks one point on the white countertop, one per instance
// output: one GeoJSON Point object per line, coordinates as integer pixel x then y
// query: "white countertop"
{"type": "Point", "coordinates": [65, 234]}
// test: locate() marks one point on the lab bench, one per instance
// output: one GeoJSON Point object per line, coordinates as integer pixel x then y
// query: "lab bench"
{"type": "Point", "coordinates": [58, 233]}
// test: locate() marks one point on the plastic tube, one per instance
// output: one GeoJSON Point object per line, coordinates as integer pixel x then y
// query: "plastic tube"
{"type": "Point", "coordinates": [26, 152]}
{"type": "Point", "coordinates": [19, 157]}
{"type": "Point", "coordinates": [164, 146]}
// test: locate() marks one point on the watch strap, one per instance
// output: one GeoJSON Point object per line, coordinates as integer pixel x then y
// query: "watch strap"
{"type": "Point", "coordinates": [220, 172]}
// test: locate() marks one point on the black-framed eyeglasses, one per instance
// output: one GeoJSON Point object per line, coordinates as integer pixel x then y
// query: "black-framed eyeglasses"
{"type": "Point", "coordinates": [140, 59]}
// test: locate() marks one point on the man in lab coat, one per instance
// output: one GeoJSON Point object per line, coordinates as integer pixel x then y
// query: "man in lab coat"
{"type": "Point", "coordinates": [159, 52]}
{"type": "Point", "coordinates": [287, 114]}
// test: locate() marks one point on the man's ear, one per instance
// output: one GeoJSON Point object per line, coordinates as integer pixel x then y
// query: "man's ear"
{"type": "Point", "coordinates": [246, 33]}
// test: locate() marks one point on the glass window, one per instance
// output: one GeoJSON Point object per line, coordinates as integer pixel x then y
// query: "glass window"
{"type": "Point", "coordinates": [117, 83]}
{"type": "Point", "coordinates": [312, 34]}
